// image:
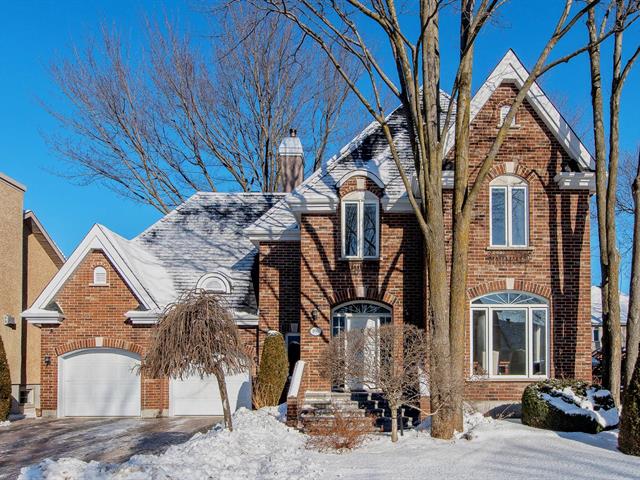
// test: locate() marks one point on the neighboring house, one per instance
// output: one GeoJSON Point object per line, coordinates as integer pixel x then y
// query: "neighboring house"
{"type": "Point", "coordinates": [341, 251]}
{"type": "Point", "coordinates": [596, 317]}
{"type": "Point", "coordinates": [28, 260]}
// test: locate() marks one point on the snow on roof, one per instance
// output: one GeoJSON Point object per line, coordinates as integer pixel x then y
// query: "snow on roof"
{"type": "Point", "coordinates": [596, 306]}
{"type": "Point", "coordinates": [204, 235]}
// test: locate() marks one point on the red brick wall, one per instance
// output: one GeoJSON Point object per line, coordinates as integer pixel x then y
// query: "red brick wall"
{"type": "Point", "coordinates": [98, 311]}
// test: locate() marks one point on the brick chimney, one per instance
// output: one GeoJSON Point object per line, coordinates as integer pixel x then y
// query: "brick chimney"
{"type": "Point", "coordinates": [291, 162]}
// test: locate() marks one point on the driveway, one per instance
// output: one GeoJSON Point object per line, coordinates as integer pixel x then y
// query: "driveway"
{"type": "Point", "coordinates": [103, 439]}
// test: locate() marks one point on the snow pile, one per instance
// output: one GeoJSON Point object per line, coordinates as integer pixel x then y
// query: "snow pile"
{"type": "Point", "coordinates": [472, 420]}
{"type": "Point", "coordinates": [260, 447]}
{"type": "Point", "coordinates": [5, 423]}
{"type": "Point", "coordinates": [592, 405]}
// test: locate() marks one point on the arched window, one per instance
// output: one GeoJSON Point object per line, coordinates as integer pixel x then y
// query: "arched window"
{"type": "Point", "coordinates": [214, 283]}
{"type": "Point", "coordinates": [99, 276]}
{"type": "Point", "coordinates": [509, 335]}
{"type": "Point", "coordinates": [509, 212]}
{"type": "Point", "coordinates": [360, 225]}
{"type": "Point", "coordinates": [361, 314]}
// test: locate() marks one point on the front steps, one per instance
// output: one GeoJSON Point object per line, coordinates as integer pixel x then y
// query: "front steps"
{"type": "Point", "coordinates": [320, 408]}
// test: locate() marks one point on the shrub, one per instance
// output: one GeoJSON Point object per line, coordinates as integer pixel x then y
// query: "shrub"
{"type": "Point", "coordinates": [274, 369]}
{"type": "Point", "coordinates": [340, 432]}
{"type": "Point", "coordinates": [629, 438]}
{"type": "Point", "coordinates": [5, 384]}
{"type": "Point", "coordinates": [568, 406]}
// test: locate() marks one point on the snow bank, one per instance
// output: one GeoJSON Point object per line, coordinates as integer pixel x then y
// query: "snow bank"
{"type": "Point", "coordinates": [5, 423]}
{"type": "Point", "coordinates": [260, 447]}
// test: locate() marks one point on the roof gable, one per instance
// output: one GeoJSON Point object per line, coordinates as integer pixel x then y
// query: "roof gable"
{"type": "Point", "coordinates": [511, 70]}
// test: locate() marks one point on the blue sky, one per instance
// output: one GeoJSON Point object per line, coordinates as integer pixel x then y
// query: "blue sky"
{"type": "Point", "coordinates": [33, 34]}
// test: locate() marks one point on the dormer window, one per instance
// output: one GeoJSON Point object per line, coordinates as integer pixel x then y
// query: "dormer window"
{"type": "Point", "coordinates": [214, 283]}
{"type": "Point", "coordinates": [504, 111]}
{"type": "Point", "coordinates": [99, 276]}
{"type": "Point", "coordinates": [360, 225]}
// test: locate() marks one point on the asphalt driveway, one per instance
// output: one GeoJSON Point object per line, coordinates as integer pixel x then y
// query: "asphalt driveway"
{"type": "Point", "coordinates": [103, 439]}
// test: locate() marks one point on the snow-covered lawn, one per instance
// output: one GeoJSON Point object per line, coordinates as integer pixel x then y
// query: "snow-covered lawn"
{"type": "Point", "coordinates": [263, 448]}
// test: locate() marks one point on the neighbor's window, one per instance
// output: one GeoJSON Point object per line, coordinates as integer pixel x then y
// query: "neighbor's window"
{"type": "Point", "coordinates": [99, 276]}
{"type": "Point", "coordinates": [360, 225]}
{"type": "Point", "coordinates": [509, 212]}
{"type": "Point", "coordinates": [509, 335]}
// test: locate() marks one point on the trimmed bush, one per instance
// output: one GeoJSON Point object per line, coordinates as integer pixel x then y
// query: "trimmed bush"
{"type": "Point", "coordinates": [5, 384]}
{"type": "Point", "coordinates": [274, 369]}
{"type": "Point", "coordinates": [629, 438]}
{"type": "Point", "coordinates": [568, 406]}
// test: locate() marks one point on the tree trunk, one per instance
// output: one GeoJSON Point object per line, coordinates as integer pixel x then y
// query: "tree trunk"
{"type": "Point", "coordinates": [226, 408]}
{"type": "Point", "coordinates": [633, 318]}
{"type": "Point", "coordinates": [394, 422]}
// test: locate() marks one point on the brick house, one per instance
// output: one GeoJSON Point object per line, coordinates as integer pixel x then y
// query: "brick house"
{"type": "Point", "coordinates": [341, 250]}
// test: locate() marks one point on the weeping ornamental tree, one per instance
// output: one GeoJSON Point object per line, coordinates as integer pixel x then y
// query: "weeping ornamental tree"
{"type": "Point", "coordinates": [5, 384]}
{"type": "Point", "coordinates": [197, 335]}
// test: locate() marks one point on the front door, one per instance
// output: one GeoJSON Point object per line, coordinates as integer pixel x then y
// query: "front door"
{"type": "Point", "coordinates": [367, 356]}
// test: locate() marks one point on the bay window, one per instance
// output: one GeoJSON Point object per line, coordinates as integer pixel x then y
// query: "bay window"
{"type": "Point", "coordinates": [509, 335]}
{"type": "Point", "coordinates": [509, 212]}
{"type": "Point", "coordinates": [360, 225]}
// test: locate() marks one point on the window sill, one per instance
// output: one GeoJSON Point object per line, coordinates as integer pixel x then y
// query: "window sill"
{"type": "Point", "coordinates": [359, 259]}
{"type": "Point", "coordinates": [510, 249]}
{"type": "Point", "coordinates": [508, 379]}
{"type": "Point", "coordinates": [99, 285]}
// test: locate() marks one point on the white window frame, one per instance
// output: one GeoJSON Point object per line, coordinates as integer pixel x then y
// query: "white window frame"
{"type": "Point", "coordinates": [219, 277]}
{"type": "Point", "coordinates": [508, 183]}
{"type": "Point", "coordinates": [529, 308]}
{"type": "Point", "coordinates": [97, 283]}
{"type": "Point", "coordinates": [503, 112]}
{"type": "Point", "coordinates": [360, 199]}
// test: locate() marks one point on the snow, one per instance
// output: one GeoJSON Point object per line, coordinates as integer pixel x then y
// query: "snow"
{"type": "Point", "coordinates": [567, 401]}
{"type": "Point", "coordinates": [261, 447]}
{"type": "Point", "coordinates": [5, 423]}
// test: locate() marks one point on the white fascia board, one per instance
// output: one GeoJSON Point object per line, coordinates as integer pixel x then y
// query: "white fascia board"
{"type": "Point", "coordinates": [396, 205]}
{"type": "Point", "coordinates": [257, 236]}
{"type": "Point", "coordinates": [511, 70]}
{"type": "Point", "coordinates": [94, 240]}
{"type": "Point", "coordinates": [313, 204]}
{"type": "Point", "coordinates": [37, 316]}
{"type": "Point", "coordinates": [143, 317]}
{"type": "Point", "coordinates": [576, 181]}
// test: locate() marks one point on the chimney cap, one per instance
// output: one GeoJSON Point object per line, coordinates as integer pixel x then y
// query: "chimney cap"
{"type": "Point", "coordinates": [291, 146]}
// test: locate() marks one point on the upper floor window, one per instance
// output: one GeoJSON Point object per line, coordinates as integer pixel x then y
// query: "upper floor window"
{"type": "Point", "coordinates": [509, 212]}
{"type": "Point", "coordinates": [99, 276]}
{"type": "Point", "coordinates": [360, 225]}
{"type": "Point", "coordinates": [504, 111]}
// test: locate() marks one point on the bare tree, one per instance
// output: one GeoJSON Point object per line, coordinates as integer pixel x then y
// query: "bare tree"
{"type": "Point", "coordinates": [607, 176]}
{"type": "Point", "coordinates": [181, 115]}
{"type": "Point", "coordinates": [413, 76]}
{"type": "Point", "coordinates": [390, 359]}
{"type": "Point", "coordinates": [197, 335]}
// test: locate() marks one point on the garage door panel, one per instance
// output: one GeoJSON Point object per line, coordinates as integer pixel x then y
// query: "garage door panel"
{"type": "Point", "coordinates": [201, 396]}
{"type": "Point", "coordinates": [100, 382]}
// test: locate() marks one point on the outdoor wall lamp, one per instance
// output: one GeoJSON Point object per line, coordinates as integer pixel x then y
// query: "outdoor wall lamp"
{"type": "Point", "coordinates": [314, 314]}
{"type": "Point", "coordinates": [47, 360]}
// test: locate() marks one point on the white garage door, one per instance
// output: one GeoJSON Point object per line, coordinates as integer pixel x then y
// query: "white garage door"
{"type": "Point", "coordinates": [100, 382]}
{"type": "Point", "coordinates": [201, 396]}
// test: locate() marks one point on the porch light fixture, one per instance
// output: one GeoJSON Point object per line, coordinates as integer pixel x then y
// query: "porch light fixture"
{"type": "Point", "coordinates": [314, 314]}
{"type": "Point", "coordinates": [47, 360]}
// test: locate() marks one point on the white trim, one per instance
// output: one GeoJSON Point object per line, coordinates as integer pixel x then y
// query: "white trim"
{"type": "Point", "coordinates": [528, 308]}
{"type": "Point", "coordinates": [361, 173]}
{"type": "Point", "coordinates": [224, 280]}
{"type": "Point", "coordinates": [360, 199]}
{"type": "Point", "coordinates": [511, 70]}
{"type": "Point", "coordinates": [96, 239]}
{"type": "Point", "coordinates": [42, 317]}
{"type": "Point", "coordinates": [257, 236]}
{"type": "Point", "coordinates": [312, 204]}
{"type": "Point", "coordinates": [576, 181]}
{"type": "Point", "coordinates": [296, 379]}
{"type": "Point", "coordinates": [98, 271]}
{"type": "Point", "coordinates": [143, 317]}
{"type": "Point", "coordinates": [508, 187]}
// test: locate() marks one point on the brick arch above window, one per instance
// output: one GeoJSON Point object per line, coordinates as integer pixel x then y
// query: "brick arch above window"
{"type": "Point", "coordinates": [98, 342]}
{"type": "Point", "coordinates": [511, 168]}
{"type": "Point", "coordinates": [359, 183]}
{"type": "Point", "coordinates": [365, 293]}
{"type": "Point", "coordinates": [505, 285]}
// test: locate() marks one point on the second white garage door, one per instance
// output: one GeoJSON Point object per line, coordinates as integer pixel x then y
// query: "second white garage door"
{"type": "Point", "coordinates": [99, 382]}
{"type": "Point", "coordinates": [201, 396]}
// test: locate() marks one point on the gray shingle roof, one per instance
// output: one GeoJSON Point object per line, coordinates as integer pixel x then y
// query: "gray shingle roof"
{"type": "Point", "coordinates": [205, 235]}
